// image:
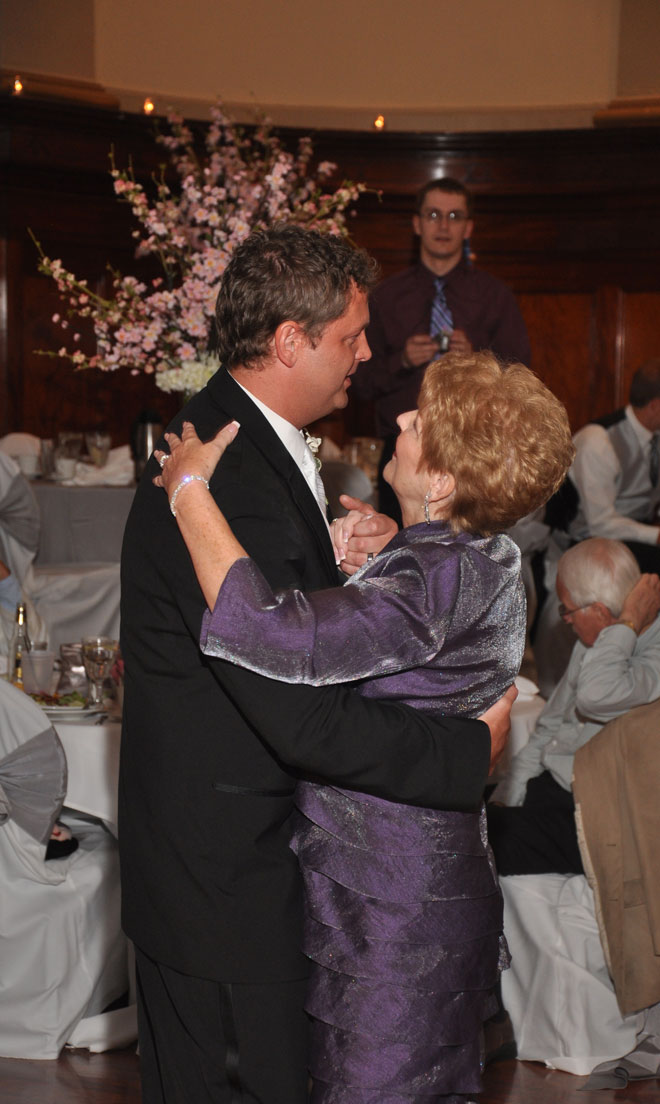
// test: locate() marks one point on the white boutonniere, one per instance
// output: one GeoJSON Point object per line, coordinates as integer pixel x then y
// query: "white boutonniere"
{"type": "Point", "coordinates": [313, 444]}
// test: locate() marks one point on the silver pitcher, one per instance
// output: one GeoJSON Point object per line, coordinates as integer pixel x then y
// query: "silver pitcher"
{"type": "Point", "coordinates": [147, 430]}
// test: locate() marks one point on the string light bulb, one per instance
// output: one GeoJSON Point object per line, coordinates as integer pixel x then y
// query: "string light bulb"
{"type": "Point", "coordinates": [379, 122]}
{"type": "Point", "coordinates": [18, 86]}
{"type": "Point", "coordinates": [148, 106]}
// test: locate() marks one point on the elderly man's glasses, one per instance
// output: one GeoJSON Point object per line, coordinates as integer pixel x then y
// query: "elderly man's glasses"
{"type": "Point", "coordinates": [441, 216]}
{"type": "Point", "coordinates": [565, 612]}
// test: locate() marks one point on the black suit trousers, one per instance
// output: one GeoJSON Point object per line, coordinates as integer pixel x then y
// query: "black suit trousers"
{"type": "Point", "coordinates": [209, 1042]}
{"type": "Point", "coordinates": [539, 836]}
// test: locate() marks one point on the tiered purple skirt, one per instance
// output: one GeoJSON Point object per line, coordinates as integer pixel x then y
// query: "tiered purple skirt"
{"type": "Point", "coordinates": [403, 926]}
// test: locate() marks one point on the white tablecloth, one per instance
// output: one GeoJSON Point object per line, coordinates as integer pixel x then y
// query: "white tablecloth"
{"type": "Point", "coordinates": [81, 524]}
{"type": "Point", "coordinates": [524, 715]}
{"type": "Point", "coordinates": [92, 753]}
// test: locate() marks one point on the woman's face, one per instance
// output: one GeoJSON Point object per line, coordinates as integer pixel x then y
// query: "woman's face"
{"type": "Point", "coordinates": [401, 472]}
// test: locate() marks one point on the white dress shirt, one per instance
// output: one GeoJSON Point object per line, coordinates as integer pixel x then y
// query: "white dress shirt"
{"type": "Point", "coordinates": [295, 444]}
{"type": "Point", "coordinates": [611, 502]}
{"type": "Point", "coordinates": [620, 671]}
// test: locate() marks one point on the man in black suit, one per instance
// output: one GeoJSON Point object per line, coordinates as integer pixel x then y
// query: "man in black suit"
{"type": "Point", "coordinates": [210, 753]}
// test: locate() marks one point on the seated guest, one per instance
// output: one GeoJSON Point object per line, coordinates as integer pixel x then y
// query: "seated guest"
{"type": "Point", "coordinates": [10, 592]}
{"type": "Point", "coordinates": [19, 539]}
{"type": "Point", "coordinates": [61, 842]}
{"type": "Point", "coordinates": [615, 472]}
{"type": "Point", "coordinates": [614, 666]}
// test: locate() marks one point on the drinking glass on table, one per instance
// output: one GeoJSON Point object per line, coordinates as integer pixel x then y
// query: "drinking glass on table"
{"type": "Point", "coordinates": [47, 450]}
{"type": "Point", "coordinates": [99, 654]}
{"type": "Point", "coordinates": [69, 444]}
{"type": "Point", "coordinates": [98, 447]}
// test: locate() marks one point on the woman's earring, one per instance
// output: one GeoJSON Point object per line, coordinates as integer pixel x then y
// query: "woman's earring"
{"type": "Point", "coordinates": [427, 512]}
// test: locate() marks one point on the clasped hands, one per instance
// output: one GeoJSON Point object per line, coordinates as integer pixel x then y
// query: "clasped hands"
{"type": "Point", "coordinates": [361, 532]}
{"type": "Point", "coordinates": [420, 349]}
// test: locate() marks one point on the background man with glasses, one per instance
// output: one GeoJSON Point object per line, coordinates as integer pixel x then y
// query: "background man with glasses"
{"type": "Point", "coordinates": [614, 666]}
{"type": "Point", "coordinates": [441, 303]}
{"type": "Point", "coordinates": [616, 472]}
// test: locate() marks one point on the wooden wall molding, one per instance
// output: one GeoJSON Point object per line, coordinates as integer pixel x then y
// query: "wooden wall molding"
{"type": "Point", "coordinates": [43, 86]}
{"type": "Point", "coordinates": [630, 111]}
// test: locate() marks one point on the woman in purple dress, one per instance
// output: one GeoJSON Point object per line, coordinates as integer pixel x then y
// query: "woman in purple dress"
{"type": "Point", "coordinates": [403, 910]}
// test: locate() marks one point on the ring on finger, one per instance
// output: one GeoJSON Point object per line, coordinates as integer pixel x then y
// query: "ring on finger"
{"type": "Point", "coordinates": [163, 458]}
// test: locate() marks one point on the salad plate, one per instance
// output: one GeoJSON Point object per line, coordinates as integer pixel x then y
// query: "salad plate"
{"type": "Point", "coordinates": [72, 712]}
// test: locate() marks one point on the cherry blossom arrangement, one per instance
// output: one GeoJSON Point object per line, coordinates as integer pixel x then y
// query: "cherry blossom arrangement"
{"type": "Point", "coordinates": [244, 181]}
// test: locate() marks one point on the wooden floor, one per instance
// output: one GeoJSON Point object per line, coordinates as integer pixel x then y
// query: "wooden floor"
{"type": "Point", "coordinates": [82, 1078]}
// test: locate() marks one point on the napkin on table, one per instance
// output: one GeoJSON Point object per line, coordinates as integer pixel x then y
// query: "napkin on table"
{"type": "Point", "coordinates": [119, 471]}
{"type": "Point", "coordinates": [526, 688]}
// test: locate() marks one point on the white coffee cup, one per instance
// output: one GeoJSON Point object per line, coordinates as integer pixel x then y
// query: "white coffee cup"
{"type": "Point", "coordinates": [29, 464]}
{"type": "Point", "coordinates": [65, 467]}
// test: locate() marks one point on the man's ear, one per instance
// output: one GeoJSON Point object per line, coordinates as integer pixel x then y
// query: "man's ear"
{"type": "Point", "coordinates": [287, 340]}
{"type": "Point", "coordinates": [604, 614]}
{"type": "Point", "coordinates": [416, 224]}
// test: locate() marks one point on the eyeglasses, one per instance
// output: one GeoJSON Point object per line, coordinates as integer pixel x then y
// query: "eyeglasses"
{"type": "Point", "coordinates": [440, 216]}
{"type": "Point", "coordinates": [564, 612]}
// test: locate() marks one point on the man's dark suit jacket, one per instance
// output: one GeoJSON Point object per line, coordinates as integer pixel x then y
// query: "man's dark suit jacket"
{"type": "Point", "coordinates": [210, 753]}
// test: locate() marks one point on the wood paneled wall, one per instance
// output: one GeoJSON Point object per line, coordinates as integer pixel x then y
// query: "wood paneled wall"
{"type": "Point", "coordinates": [569, 219]}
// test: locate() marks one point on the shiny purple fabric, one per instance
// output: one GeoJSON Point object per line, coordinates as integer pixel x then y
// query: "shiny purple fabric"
{"type": "Point", "coordinates": [404, 914]}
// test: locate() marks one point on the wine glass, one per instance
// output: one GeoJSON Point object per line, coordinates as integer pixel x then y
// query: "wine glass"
{"type": "Point", "coordinates": [99, 654]}
{"type": "Point", "coordinates": [98, 446]}
{"type": "Point", "coordinates": [69, 443]}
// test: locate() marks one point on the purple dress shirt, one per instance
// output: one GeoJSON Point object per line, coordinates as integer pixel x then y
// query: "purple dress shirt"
{"type": "Point", "coordinates": [480, 304]}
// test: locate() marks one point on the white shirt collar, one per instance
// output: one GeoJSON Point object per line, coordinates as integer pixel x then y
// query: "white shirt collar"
{"type": "Point", "coordinates": [293, 440]}
{"type": "Point", "coordinates": [642, 434]}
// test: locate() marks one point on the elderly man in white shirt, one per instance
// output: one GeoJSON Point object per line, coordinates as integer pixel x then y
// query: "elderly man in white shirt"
{"type": "Point", "coordinates": [616, 472]}
{"type": "Point", "coordinates": [614, 666]}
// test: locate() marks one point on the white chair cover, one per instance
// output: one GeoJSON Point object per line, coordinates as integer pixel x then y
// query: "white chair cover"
{"type": "Point", "coordinates": [19, 519]}
{"type": "Point", "coordinates": [76, 600]}
{"type": "Point", "coordinates": [20, 444]}
{"type": "Point", "coordinates": [64, 956]}
{"type": "Point", "coordinates": [558, 991]}
{"type": "Point", "coordinates": [72, 600]}
{"type": "Point", "coordinates": [33, 784]}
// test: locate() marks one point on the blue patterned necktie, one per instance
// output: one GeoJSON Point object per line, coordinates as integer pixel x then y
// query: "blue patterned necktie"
{"type": "Point", "coordinates": [441, 317]}
{"type": "Point", "coordinates": [654, 460]}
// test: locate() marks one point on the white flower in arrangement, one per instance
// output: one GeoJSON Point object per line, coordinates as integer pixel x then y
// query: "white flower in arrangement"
{"type": "Point", "coordinates": [190, 377]}
{"type": "Point", "coordinates": [206, 206]}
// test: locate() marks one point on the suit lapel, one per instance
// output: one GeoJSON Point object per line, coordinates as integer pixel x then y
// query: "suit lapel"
{"type": "Point", "coordinates": [233, 401]}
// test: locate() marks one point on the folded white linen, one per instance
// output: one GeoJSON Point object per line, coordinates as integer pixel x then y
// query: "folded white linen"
{"type": "Point", "coordinates": [119, 471]}
{"type": "Point", "coordinates": [526, 688]}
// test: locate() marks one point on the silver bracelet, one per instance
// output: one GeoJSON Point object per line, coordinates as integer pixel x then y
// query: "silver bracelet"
{"type": "Point", "coordinates": [184, 483]}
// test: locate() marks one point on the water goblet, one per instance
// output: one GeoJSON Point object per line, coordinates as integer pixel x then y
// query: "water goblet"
{"type": "Point", "coordinates": [99, 654]}
{"type": "Point", "coordinates": [69, 444]}
{"type": "Point", "coordinates": [98, 446]}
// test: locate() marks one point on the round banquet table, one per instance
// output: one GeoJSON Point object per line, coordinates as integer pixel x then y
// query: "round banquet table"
{"type": "Point", "coordinates": [92, 755]}
{"type": "Point", "coordinates": [524, 715]}
{"type": "Point", "coordinates": [81, 524]}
